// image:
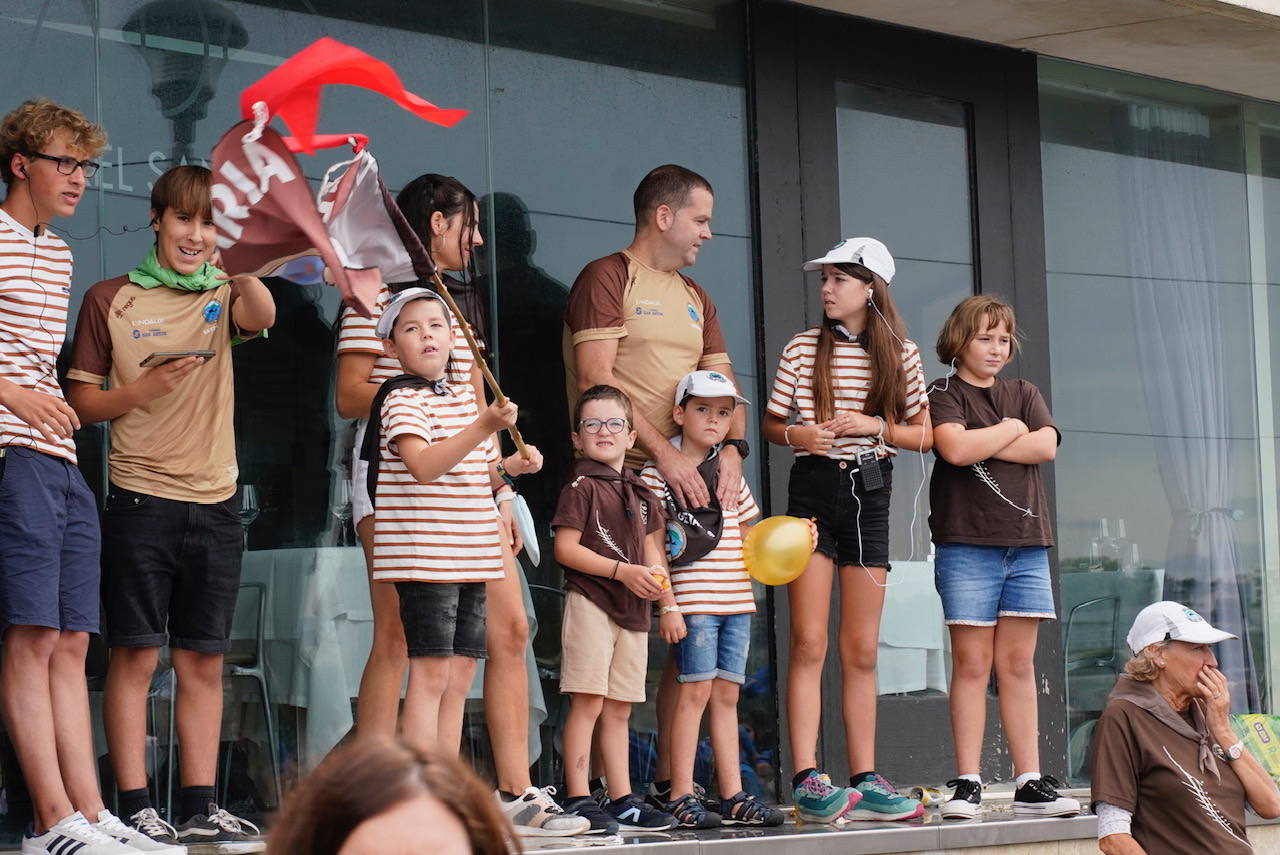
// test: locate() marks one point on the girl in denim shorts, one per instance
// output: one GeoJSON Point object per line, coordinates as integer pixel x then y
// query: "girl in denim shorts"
{"type": "Point", "coordinates": [855, 389]}
{"type": "Point", "coordinates": [990, 523]}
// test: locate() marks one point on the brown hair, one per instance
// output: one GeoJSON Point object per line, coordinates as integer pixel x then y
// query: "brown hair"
{"type": "Point", "coordinates": [371, 776]}
{"type": "Point", "coordinates": [668, 185]}
{"type": "Point", "coordinates": [183, 188]}
{"type": "Point", "coordinates": [974, 315]}
{"type": "Point", "coordinates": [431, 192]}
{"type": "Point", "coordinates": [603, 392]}
{"type": "Point", "coordinates": [885, 331]}
{"type": "Point", "coordinates": [32, 124]}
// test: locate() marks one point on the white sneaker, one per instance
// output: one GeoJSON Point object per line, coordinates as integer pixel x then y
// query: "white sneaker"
{"type": "Point", "coordinates": [535, 814]}
{"type": "Point", "coordinates": [74, 834]}
{"type": "Point", "coordinates": [146, 832]}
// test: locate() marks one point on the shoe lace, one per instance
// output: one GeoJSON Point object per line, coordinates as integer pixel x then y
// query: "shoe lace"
{"type": "Point", "coordinates": [548, 803]}
{"type": "Point", "coordinates": [230, 822]}
{"type": "Point", "coordinates": [818, 785]}
{"type": "Point", "coordinates": [963, 787]}
{"type": "Point", "coordinates": [82, 830]}
{"type": "Point", "coordinates": [883, 783]}
{"type": "Point", "coordinates": [149, 823]}
{"type": "Point", "coordinates": [1046, 785]}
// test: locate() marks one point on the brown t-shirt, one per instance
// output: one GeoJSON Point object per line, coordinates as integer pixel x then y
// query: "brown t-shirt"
{"type": "Point", "coordinates": [1142, 765]}
{"type": "Point", "coordinates": [666, 326]}
{"type": "Point", "coordinates": [614, 512]}
{"type": "Point", "coordinates": [963, 507]}
{"type": "Point", "coordinates": [181, 445]}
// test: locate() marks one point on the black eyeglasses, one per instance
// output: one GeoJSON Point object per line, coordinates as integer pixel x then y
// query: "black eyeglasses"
{"type": "Point", "coordinates": [611, 425]}
{"type": "Point", "coordinates": [67, 165]}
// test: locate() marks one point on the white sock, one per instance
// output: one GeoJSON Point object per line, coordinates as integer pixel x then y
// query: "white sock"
{"type": "Point", "coordinates": [1027, 776]}
{"type": "Point", "coordinates": [977, 779]}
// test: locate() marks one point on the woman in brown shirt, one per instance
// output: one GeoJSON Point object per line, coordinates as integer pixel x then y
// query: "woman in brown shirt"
{"type": "Point", "coordinates": [1169, 774]}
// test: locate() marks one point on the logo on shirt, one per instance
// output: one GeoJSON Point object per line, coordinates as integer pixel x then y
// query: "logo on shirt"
{"type": "Point", "coordinates": [693, 313]}
{"type": "Point", "coordinates": [212, 312]}
{"type": "Point", "coordinates": [128, 304]}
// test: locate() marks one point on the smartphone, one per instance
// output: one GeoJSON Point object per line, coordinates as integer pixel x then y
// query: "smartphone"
{"type": "Point", "coordinates": [160, 357]}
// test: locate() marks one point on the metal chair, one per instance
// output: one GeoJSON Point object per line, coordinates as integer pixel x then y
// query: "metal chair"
{"type": "Point", "coordinates": [252, 664]}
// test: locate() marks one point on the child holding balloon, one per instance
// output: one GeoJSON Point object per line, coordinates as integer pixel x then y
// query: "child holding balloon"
{"type": "Point", "coordinates": [707, 610]}
{"type": "Point", "coordinates": [855, 387]}
{"type": "Point", "coordinates": [990, 522]}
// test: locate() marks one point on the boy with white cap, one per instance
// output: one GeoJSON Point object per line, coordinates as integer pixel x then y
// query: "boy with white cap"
{"type": "Point", "coordinates": [707, 611]}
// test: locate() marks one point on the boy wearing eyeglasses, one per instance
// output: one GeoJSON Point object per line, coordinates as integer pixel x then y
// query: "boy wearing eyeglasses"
{"type": "Point", "coordinates": [610, 541]}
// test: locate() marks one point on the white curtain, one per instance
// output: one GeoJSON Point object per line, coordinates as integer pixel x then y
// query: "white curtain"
{"type": "Point", "coordinates": [1179, 334]}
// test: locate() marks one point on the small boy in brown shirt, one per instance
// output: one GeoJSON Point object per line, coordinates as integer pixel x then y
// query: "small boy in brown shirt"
{"type": "Point", "coordinates": [610, 540]}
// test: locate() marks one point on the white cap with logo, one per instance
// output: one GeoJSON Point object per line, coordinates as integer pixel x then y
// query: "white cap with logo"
{"type": "Point", "coordinates": [707, 384]}
{"type": "Point", "coordinates": [1175, 621]}
{"type": "Point", "coordinates": [387, 321]}
{"type": "Point", "coordinates": [867, 251]}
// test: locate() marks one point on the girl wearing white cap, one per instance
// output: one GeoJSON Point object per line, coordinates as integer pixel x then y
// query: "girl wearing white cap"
{"type": "Point", "coordinates": [1169, 774]}
{"type": "Point", "coordinates": [847, 394]}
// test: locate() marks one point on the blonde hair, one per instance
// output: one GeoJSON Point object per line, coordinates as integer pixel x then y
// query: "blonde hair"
{"type": "Point", "coordinates": [974, 315]}
{"type": "Point", "coordinates": [32, 125]}
{"type": "Point", "coordinates": [1142, 667]}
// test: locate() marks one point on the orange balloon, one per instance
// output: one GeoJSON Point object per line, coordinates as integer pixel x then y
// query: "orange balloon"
{"type": "Point", "coordinates": [777, 549]}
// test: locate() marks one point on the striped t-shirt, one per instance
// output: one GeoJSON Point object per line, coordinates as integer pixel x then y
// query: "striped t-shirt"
{"type": "Point", "coordinates": [35, 288]}
{"type": "Point", "coordinates": [445, 530]}
{"type": "Point", "coordinates": [850, 379]}
{"type": "Point", "coordinates": [717, 583]}
{"type": "Point", "coordinates": [357, 334]}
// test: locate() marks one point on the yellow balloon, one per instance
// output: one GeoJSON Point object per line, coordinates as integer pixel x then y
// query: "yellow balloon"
{"type": "Point", "coordinates": [777, 549]}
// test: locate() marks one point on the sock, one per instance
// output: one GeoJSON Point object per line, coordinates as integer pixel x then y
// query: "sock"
{"type": "Point", "coordinates": [977, 779]}
{"type": "Point", "coordinates": [507, 797]}
{"type": "Point", "coordinates": [800, 776]}
{"type": "Point", "coordinates": [1027, 776]}
{"type": "Point", "coordinates": [861, 777]}
{"type": "Point", "coordinates": [194, 801]}
{"type": "Point", "coordinates": [132, 801]}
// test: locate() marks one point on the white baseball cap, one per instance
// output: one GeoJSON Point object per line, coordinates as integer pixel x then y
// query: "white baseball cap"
{"type": "Point", "coordinates": [387, 322]}
{"type": "Point", "coordinates": [1175, 621]}
{"type": "Point", "coordinates": [707, 384]}
{"type": "Point", "coordinates": [867, 251]}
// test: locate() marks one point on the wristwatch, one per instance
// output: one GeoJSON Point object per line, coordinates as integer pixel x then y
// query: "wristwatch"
{"type": "Point", "coordinates": [504, 474]}
{"type": "Point", "coordinates": [741, 444]}
{"type": "Point", "coordinates": [1235, 752]}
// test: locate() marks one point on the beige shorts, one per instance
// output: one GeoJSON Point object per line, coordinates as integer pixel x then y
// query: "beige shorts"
{"type": "Point", "coordinates": [599, 657]}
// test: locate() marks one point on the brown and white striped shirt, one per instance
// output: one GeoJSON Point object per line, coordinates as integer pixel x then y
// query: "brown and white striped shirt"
{"type": "Point", "coordinates": [850, 379]}
{"type": "Point", "coordinates": [717, 583]}
{"type": "Point", "coordinates": [35, 289]}
{"type": "Point", "coordinates": [445, 530]}
{"type": "Point", "coordinates": [357, 334]}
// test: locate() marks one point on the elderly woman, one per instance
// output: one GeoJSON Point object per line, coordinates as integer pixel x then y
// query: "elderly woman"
{"type": "Point", "coordinates": [1169, 774]}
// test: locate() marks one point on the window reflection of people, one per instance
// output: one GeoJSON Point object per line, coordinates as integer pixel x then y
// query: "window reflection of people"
{"type": "Point", "coordinates": [378, 797]}
{"type": "Point", "coordinates": [1170, 776]}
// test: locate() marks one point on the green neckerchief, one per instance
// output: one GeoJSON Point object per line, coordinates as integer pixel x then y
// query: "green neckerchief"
{"type": "Point", "coordinates": [151, 274]}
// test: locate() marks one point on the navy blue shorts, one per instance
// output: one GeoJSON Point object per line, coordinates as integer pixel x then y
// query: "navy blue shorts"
{"type": "Point", "coordinates": [443, 618]}
{"type": "Point", "coordinates": [49, 543]}
{"type": "Point", "coordinates": [170, 571]}
{"type": "Point", "coordinates": [853, 523]}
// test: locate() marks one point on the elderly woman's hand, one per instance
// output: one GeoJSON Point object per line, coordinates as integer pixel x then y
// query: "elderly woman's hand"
{"type": "Point", "coordinates": [1216, 694]}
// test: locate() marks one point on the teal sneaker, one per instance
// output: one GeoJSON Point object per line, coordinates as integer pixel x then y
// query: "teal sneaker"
{"type": "Point", "coordinates": [881, 802]}
{"type": "Point", "coordinates": [817, 801]}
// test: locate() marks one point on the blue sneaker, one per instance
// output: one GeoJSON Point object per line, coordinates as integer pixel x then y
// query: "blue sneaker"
{"type": "Point", "coordinates": [817, 801]}
{"type": "Point", "coordinates": [881, 802]}
{"type": "Point", "coordinates": [586, 807]}
{"type": "Point", "coordinates": [632, 814]}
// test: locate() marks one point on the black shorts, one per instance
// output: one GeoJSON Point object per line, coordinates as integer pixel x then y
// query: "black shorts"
{"type": "Point", "coordinates": [170, 571]}
{"type": "Point", "coordinates": [853, 523]}
{"type": "Point", "coordinates": [443, 618]}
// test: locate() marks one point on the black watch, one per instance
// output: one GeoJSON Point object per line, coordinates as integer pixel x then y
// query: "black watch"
{"type": "Point", "coordinates": [741, 444]}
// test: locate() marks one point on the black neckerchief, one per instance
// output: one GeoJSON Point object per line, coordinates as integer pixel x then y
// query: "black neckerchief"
{"type": "Point", "coordinates": [370, 451]}
{"type": "Point", "coordinates": [841, 332]}
{"type": "Point", "coordinates": [1144, 695]}
{"type": "Point", "coordinates": [631, 489]}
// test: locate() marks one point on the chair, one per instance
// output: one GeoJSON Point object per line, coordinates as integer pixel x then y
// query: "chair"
{"type": "Point", "coordinates": [1089, 659]}
{"type": "Point", "coordinates": [251, 663]}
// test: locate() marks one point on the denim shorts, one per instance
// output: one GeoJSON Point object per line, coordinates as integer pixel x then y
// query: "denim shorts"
{"type": "Point", "coordinates": [443, 618]}
{"type": "Point", "coordinates": [715, 648]}
{"type": "Point", "coordinates": [979, 584]}
{"type": "Point", "coordinates": [853, 524]}
{"type": "Point", "coordinates": [170, 571]}
{"type": "Point", "coordinates": [49, 543]}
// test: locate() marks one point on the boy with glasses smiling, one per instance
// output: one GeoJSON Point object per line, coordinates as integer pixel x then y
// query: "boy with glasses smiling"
{"type": "Point", "coordinates": [610, 540]}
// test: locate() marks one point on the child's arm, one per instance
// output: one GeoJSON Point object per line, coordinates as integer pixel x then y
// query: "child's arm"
{"type": "Point", "coordinates": [95, 404]}
{"type": "Point", "coordinates": [515, 465]}
{"type": "Point", "coordinates": [572, 554]}
{"type": "Point", "coordinates": [815, 439]}
{"type": "Point", "coordinates": [1038, 446]}
{"type": "Point", "coordinates": [671, 624]}
{"type": "Point", "coordinates": [353, 392]}
{"type": "Point", "coordinates": [961, 446]}
{"type": "Point", "coordinates": [253, 310]}
{"type": "Point", "coordinates": [428, 461]}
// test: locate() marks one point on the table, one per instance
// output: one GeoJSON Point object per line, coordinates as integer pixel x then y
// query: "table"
{"type": "Point", "coordinates": [913, 653]}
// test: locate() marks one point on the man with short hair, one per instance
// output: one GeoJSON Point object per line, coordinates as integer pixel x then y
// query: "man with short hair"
{"type": "Point", "coordinates": [634, 321]}
{"type": "Point", "coordinates": [49, 540]}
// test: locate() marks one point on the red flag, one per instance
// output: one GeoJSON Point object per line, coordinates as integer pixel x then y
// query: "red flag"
{"type": "Point", "coordinates": [292, 90]}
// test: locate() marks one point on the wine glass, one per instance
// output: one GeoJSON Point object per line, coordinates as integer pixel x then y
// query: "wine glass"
{"type": "Point", "coordinates": [341, 508]}
{"type": "Point", "coordinates": [250, 508]}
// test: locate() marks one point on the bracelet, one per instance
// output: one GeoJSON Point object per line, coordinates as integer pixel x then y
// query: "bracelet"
{"type": "Point", "coordinates": [614, 574]}
{"type": "Point", "coordinates": [786, 436]}
{"type": "Point", "coordinates": [666, 610]}
{"type": "Point", "coordinates": [880, 433]}
{"type": "Point", "coordinates": [504, 496]}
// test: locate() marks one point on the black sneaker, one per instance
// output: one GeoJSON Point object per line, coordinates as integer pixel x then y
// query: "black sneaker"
{"type": "Point", "coordinates": [586, 807]}
{"type": "Point", "coordinates": [965, 802]}
{"type": "Point", "coordinates": [657, 797]}
{"type": "Point", "coordinates": [633, 814]}
{"type": "Point", "coordinates": [691, 813]}
{"type": "Point", "coordinates": [746, 809]}
{"type": "Point", "coordinates": [217, 832]}
{"type": "Point", "coordinates": [600, 791]}
{"type": "Point", "coordinates": [1039, 797]}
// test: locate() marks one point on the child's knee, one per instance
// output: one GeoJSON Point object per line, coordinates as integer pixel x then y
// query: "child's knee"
{"type": "Point", "coordinates": [808, 648]}
{"type": "Point", "coordinates": [616, 711]}
{"type": "Point", "coordinates": [695, 693]}
{"type": "Point", "coordinates": [586, 705]}
{"type": "Point", "coordinates": [724, 693]}
{"type": "Point", "coordinates": [508, 637]}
